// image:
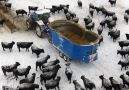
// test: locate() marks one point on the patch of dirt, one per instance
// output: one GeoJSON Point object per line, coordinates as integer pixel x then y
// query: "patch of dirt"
{"type": "Point", "coordinates": [13, 22]}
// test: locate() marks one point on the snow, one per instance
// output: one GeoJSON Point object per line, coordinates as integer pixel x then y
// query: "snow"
{"type": "Point", "coordinates": [107, 52]}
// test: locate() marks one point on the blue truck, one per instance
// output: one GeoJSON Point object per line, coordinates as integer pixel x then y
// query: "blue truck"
{"type": "Point", "coordinates": [72, 40]}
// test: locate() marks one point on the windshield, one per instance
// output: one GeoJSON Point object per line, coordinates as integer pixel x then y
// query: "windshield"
{"type": "Point", "coordinates": [43, 16]}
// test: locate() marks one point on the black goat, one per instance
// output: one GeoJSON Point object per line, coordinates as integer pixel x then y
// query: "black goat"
{"type": "Point", "coordinates": [112, 2]}
{"type": "Point", "coordinates": [79, 3]}
{"type": "Point", "coordinates": [87, 20]}
{"type": "Point", "coordinates": [50, 68]}
{"type": "Point", "coordinates": [8, 88]}
{"type": "Point", "coordinates": [126, 17]}
{"type": "Point", "coordinates": [105, 83]}
{"type": "Point", "coordinates": [124, 64]}
{"type": "Point", "coordinates": [103, 23]}
{"type": "Point", "coordinates": [53, 84]}
{"type": "Point", "coordinates": [75, 19]}
{"type": "Point", "coordinates": [41, 61]}
{"type": "Point", "coordinates": [125, 80]}
{"type": "Point", "coordinates": [77, 85]}
{"type": "Point", "coordinates": [7, 45]}
{"type": "Point", "coordinates": [72, 14]}
{"type": "Point", "coordinates": [114, 34]}
{"type": "Point", "coordinates": [8, 5]}
{"type": "Point", "coordinates": [21, 72]}
{"type": "Point", "coordinates": [51, 63]}
{"type": "Point", "coordinates": [91, 12]}
{"type": "Point", "coordinates": [100, 30]}
{"type": "Point", "coordinates": [21, 11]}
{"type": "Point", "coordinates": [109, 13]}
{"type": "Point", "coordinates": [111, 24]}
{"type": "Point", "coordinates": [88, 83]}
{"type": "Point", "coordinates": [28, 80]}
{"type": "Point", "coordinates": [37, 50]}
{"type": "Point", "coordinates": [100, 39]}
{"type": "Point", "coordinates": [34, 8]}
{"type": "Point", "coordinates": [123, 43]}
{"type": "Point", "coordinates": [2, 21]}
{"type": "Point", "coordinates": [114, 17]}
{"type": "Point", "coordinates": [24, 45]}
{"type": "Point", "coordinates": [57, 8]}
{"type": "Point", "coordinates": [115, 84]}
{"type": "Point", "coordinates": [99, 9]}
{"type": "Point", "coordinates": [90, 26]}
{"type": "Point", "coordinates": [68, 16]}
{"type": "Point", "coordinates": [127, 11]}
{"type": "Point", "coordinates": [127, 36]}
{"type": "Point", "coordinates": [9, 68]}
{"type": "Point", "coordinates": [68, 72]}
{"type": "Point", "coordinates": [91, 6]}
{"type": "Point", "coordinates": [65, 10]}
{"type": "Point", "coordinates": [123, 53]}
{"type": "Point", "coordinates": [127, 73]}
{"type": "Point", "coordinates": [27, 86]}
{"type": "Point", "coordinates": [49, 75]}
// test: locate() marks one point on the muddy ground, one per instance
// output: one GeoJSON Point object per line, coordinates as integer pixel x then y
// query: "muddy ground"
{"type": "Point", "coordinates": [13, 22]}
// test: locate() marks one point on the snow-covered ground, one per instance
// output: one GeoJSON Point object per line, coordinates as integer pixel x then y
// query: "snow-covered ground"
{"type": "Point", "coordinates": [107, 52]}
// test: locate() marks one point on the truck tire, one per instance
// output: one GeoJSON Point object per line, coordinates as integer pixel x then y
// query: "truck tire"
{"type": "Point", "coordinates": [28, 24]}
{"type": "Point", "coordinates": [39, 31]}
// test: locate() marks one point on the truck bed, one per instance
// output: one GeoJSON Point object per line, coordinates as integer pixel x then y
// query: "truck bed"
{"type": "Point", "coordinates": [75, 33]}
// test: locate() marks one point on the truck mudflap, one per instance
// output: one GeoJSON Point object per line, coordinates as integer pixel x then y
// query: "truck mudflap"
{"type": "Point", "coordinates": [93, 57]}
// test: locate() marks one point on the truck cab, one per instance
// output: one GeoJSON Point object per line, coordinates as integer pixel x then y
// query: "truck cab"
{"type": "Point", "coordinates": [37, 21]}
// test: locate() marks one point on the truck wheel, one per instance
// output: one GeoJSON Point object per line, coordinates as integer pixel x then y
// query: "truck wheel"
{"type": "Point", "coordinates": [60, 54]}
{"type": "Point", "coordinates": [65, 58]}
{"type": "Point", "coordinates": [39, 32]}
{"type": "Point", "coordinates": [28, 24]}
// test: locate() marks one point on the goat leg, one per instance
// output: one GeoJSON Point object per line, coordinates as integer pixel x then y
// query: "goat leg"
{"type": "Point", "coordinates": [58, 87]}
{"type": "Point", "coordinates": [125, 67]}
